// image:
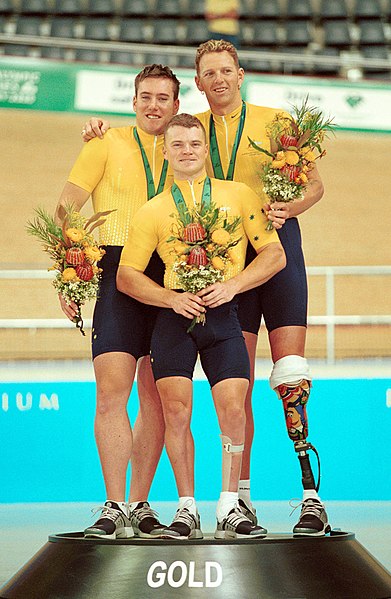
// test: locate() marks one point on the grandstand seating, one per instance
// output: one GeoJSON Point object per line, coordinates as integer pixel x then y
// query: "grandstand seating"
{"type": "Point", "coordinates": [315, 27]}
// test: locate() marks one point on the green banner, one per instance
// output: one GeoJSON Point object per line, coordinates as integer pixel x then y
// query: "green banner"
{"type": "Point", "coordinates": [108, 89]}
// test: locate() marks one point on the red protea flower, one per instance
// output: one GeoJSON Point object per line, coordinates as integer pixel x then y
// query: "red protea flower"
{"type": "Point", "coordinates": [74, 256]}
{"type": "Point", "coordinates": [290, 171]}
{"type": "Point", "coordinates": [288, 140]}
{"type": "Point", "coordinates": [84, 271]}
{"type": "Point", "coordinates": [194, 232]}
{"type": "Point", "coordinates": [197, 256]}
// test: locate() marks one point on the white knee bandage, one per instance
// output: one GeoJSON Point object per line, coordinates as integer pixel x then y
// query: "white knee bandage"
{"type": "Point", "coordinates": [289, 369]}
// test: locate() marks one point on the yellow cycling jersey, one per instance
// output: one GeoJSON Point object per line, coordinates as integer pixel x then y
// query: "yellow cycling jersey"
{"type": "Point", "coordinates": [157, 220]}
{"type": "Point", "coordinates": [112, 170]}
{"type": "Point", "coordinates": [248, 165]}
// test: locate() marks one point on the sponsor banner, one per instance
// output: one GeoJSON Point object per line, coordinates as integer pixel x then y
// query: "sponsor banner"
{"type": "Point", "coordinates": [41, 85]}
{"type": "Point", "coordinates": [352, 106]}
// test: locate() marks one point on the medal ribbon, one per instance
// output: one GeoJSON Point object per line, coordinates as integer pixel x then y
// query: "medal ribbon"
{"type": "Point", "coordinates": [180, 201]}
{"type": "Point", "coordinates": [214, 148]}
{"type": "Point", "coordinates": [151, 191]}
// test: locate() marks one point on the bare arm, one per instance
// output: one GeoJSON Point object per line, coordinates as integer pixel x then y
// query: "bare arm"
{"type": "Point", "coordinates": [281, 211]}
{"type": "Point", "coordinates": [269, 261]}
{"type": "Point", "coordinates": [142, 288]}
{"type": "Point", "coordinates": [71, 194]}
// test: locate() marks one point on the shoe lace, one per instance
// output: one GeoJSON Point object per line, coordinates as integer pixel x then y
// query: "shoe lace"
{"type": "Point", "coordinates": [236, 517]}
{"type": "Point", "coordinates": [107, 512]}
{"type": "Point", "coordinates": [183, 515]}
{"type": "Point", "coordinates": [145, 512]}
{"type": "Point", "coordinates": [309, 506]}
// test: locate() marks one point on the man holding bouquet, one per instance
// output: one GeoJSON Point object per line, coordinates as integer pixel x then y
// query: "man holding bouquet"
{"type": "Point", "coordinates": [212, 215]}
{"type": "Point", "coordinates": [121, 173]}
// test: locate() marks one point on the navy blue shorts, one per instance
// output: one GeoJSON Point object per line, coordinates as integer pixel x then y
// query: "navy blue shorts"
{"type": "Point", "coordinates": [282, 301]}
{"type": "Point", "coordinates": [121, 323]}
{"type": "Point", "coordinates": [219, 342]}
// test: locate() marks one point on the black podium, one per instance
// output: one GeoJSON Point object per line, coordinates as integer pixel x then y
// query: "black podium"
{"type": "Point", "coordinates": [280, 566]}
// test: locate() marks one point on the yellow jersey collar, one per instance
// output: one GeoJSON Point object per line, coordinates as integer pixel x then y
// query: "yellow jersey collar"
{"type": "Point", "coordinates": [230, 117]}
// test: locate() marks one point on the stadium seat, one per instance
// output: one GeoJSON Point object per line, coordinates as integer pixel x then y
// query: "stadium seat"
{"type": "Point", "coordinates": [258, 63]}
{"type": "Point", "coordinates": [367, 9]}
{"type": "Point", "coordinates": [167, 31]}
{"type": "Point", "coordinates": [6, 7]}
{"type": "Point", "coordinates": [168, 8]}
{"type": "Point", "coordinates": [263, 33]}
{"type": "Point", "coordinates": [333, 9]}
{"type": "Point", "coordinates": [376, 52]}
{"type": "Point", "coordinates": [260, 9]}
{"type": "Point", "coordinates": [87, 55]}
{"type": "Point", "coordinates": [100, 7]}
{"type": "Point", "coordinates": [124, 57]}
{"type": "Point", "coordinates": [68, 7]}
{"type": "Point", "coordinates": [63, 27]}
{"type": "Point", "coordinates": [197, 32]}
{"type": "Point", "coordinates": [294, 67]}
{"type": "Point", "coordinates": [98, 28]}
{"type": "Point", "coordinates": [299, 9]}
{"type": "Point", "coordinates": [186, 61]}
{"type": "Point", "coordinates": [28, 25]}
{"type": "Point", "coordinates": [326, 68]}
{"type": "Point", "coordinates": [336, 34]}
{"type": "Point", "coordinates": [53, 52]}
{"type": "Point", "coordinates": [371, 33]}
{"type": "Point", "coordinates": [297, 33]}
{"type": "Point", "coordinates": [16, 50]}
{"type": "Point", "coordinates": [38, 7]}
{"type": "Point", "coordinates": [135, 8]}
{"type": "Point", "coordinates": [194, 8]}
{"type": "Point", "coordinates": [132, 30]}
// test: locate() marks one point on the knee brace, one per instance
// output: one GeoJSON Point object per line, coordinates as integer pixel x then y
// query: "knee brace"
{"type": "Point", "coordinates": [228, 450]}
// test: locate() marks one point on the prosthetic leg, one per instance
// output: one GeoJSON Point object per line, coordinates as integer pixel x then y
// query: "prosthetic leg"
{"type": "Point", "coordinates": [291, 380]}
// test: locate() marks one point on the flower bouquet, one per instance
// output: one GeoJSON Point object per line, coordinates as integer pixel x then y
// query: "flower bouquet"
{"type": "Point", "coordinates": [203, 243]}
{"type": "Point", "coordinates": [295, 144]}
{"type": "Point", "coordinates": [74, 252]}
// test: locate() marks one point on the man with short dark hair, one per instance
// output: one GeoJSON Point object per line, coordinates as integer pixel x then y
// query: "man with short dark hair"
{"type": "Point", "coordinates": [122, 172]}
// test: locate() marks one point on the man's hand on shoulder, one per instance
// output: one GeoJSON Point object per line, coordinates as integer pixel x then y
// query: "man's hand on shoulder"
{"type": "Point", "coordinates": [95, 127]}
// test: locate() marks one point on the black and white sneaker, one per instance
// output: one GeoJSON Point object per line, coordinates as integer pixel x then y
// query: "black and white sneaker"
{"type": "Point", "coordinates": [112, 523]}
{"type": "Point", "coordinates": [184, 526]}
{"type": "Point", "coordinates": [237, 526]}
{"type": "Point", "coordinates": [313, 519]}
{"type": "Point", "coordinates": [250, 513]}
{"type": "Point", "coordinates": [145, 521]}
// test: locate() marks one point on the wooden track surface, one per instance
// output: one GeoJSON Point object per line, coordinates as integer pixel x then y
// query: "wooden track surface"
{"type": "Point", "coordinates": [350, 226]}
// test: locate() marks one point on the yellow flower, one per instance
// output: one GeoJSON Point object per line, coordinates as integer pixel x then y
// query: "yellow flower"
{"type": "Point", "coordinates": [218, 263]}
{"type": "Point", "coordinates": [291, 157]}
{"type": "Point", "coordinates": [75, 234]}
{"type": "Point", "coordinates": [220, 236]}
{"type": "Point", "coordinates": [279, 160]}
{"type": "Point", "coordinates": [69, 274]}
{"type": "Point", "coordinates": [308, 154]}
{"type": "Point", "coordinates": [93, 253]}
{"type": "Point", "coordinates": [303, 177]}
{"type": "Point", "coordinates": [183, 258]}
